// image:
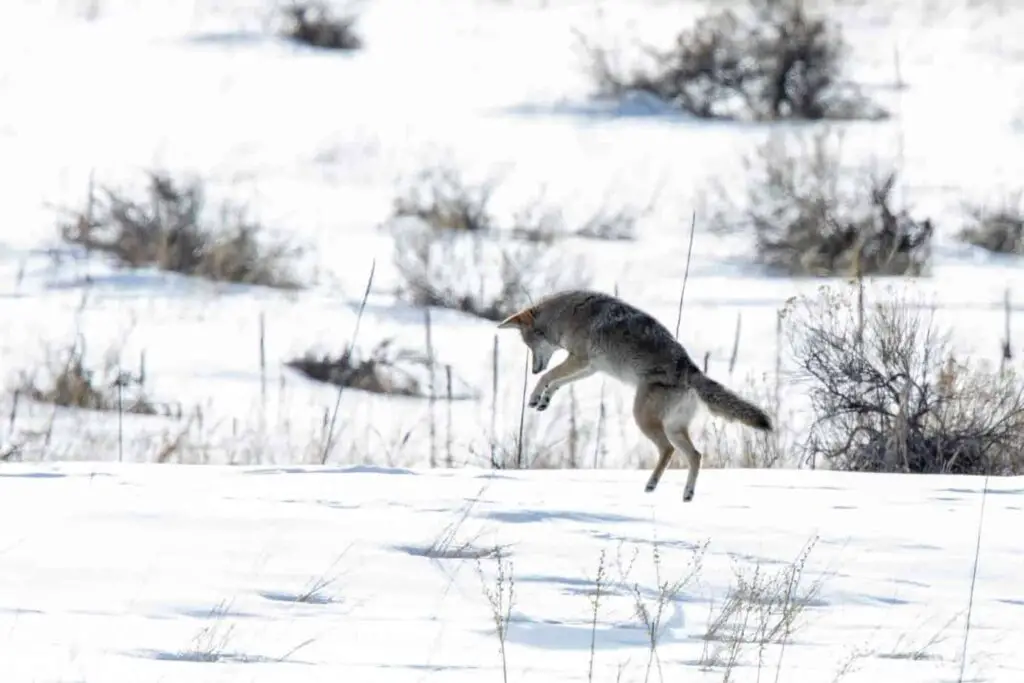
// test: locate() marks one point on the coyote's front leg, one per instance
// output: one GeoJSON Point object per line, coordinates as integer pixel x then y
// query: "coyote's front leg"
{"type": "Point", "coordinates": [569, 370]}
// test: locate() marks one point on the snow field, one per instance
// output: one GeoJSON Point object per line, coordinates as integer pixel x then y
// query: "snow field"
{"type": "Point", "coordinates": [156, 573]}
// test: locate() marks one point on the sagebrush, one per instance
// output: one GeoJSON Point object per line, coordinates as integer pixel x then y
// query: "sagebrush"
{"type": "Point", "coordinates": [889, 394]}
{"type": "Point", "coordinates": [811, 214]}
{"type": "Point", "coordinates": [171, 228]}
{"type": "Point", "coordinates": [763, 61]}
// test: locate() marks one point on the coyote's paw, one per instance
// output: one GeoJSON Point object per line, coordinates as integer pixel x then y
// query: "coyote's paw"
{"type": "Point", "coordinates": [535, 399]}
{"type": "Point", "coordinates": [539, 399]}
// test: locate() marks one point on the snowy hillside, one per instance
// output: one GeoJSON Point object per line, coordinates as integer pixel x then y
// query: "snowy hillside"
{"type": "Point", "coordinates": [318, 144]}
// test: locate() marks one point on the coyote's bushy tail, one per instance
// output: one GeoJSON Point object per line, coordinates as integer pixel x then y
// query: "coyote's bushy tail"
{"type": "Point", "coordinates": [724, 403]}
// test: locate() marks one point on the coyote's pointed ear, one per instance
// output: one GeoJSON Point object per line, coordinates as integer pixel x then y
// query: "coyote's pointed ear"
{"type": "Point", "coordinates": [523, 318]}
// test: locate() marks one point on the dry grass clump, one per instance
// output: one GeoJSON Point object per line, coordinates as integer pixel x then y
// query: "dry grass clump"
{"type": "Point", "coordinates": [450, 252]}
{"type": "Point", "coordinates": [761, 608]}
{"type": "Point", "coordinates": [384, 370]}
{"type": "Point", "coordinates": [169, 230]}
{"type": "Point", "coordinates": [70, 383]}
{"type": "Point", "coordinates": [315, 25]}
{"type": "Point", "coordinates": [377, 372]}
{"type": "Point", "coordinates": [1000, 229]}
{"type": "Point", "coordinates": [811, 216]}
{"type": "Point", "coordinates": [489, 278]}
{"type": "Point", "coordinates": [442, 199]}
{"type": "Point", "coordinates": [613, 225]}
{"type": "Point", "coordinates": [769, 60]}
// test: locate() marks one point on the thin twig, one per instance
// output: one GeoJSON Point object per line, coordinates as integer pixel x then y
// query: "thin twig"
{"type": "Point", "coordinates": [686, 273]}
{"type": "Point", "coordinates": [341, 388]}
{"type": "Point", "coordinates": [263, 363]}
{"type": "Point", "coordinates": [974, 579]}
{"type": "Point", "coordinates": [600, 427]}
{"type": "Point", "coordinates": [430, 397]}
{"type": "Point", "coordinates": [522, 414]}
{"type": "Point", "coordinates": [120, 415]}
{"type": "Point", "coordinates": [494, 401]}
{"type": "Point", "coordinates": [735, 343]}
{"type": "Point", "coordinates": [449, 462]}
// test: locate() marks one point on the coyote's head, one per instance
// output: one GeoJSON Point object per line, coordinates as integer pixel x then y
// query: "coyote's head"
{"type": "Point", "coordinates": [541, 348]}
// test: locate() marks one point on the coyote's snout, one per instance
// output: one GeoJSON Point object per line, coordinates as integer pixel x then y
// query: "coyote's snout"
{"type": "Point", "coordinates": [605, 334]}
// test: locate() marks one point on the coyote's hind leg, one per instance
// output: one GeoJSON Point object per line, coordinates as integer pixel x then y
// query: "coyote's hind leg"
{"type": "Point", "coordinates": [680, 438]}
{"type": "Point", "coordinates": [647, 414]}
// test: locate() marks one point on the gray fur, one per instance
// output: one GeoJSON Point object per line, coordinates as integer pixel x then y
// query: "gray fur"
{"type": "Point", "coordinates": [603, 333]}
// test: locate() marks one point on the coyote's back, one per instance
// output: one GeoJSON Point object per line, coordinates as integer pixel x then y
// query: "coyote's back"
{"type": "Point", "coordinates": [631, 345]}
{"type": "Point", "coordinates": [619, 338]}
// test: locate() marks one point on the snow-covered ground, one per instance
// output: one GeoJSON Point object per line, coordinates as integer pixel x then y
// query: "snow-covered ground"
{"type": "Point", "coordinates": [138, 573]}
{"type": "Point", "coordinates": [317, 144]}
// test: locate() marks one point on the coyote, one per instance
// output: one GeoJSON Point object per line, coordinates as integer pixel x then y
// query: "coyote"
{"type": "Point", "coordinates": [605, 334]}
